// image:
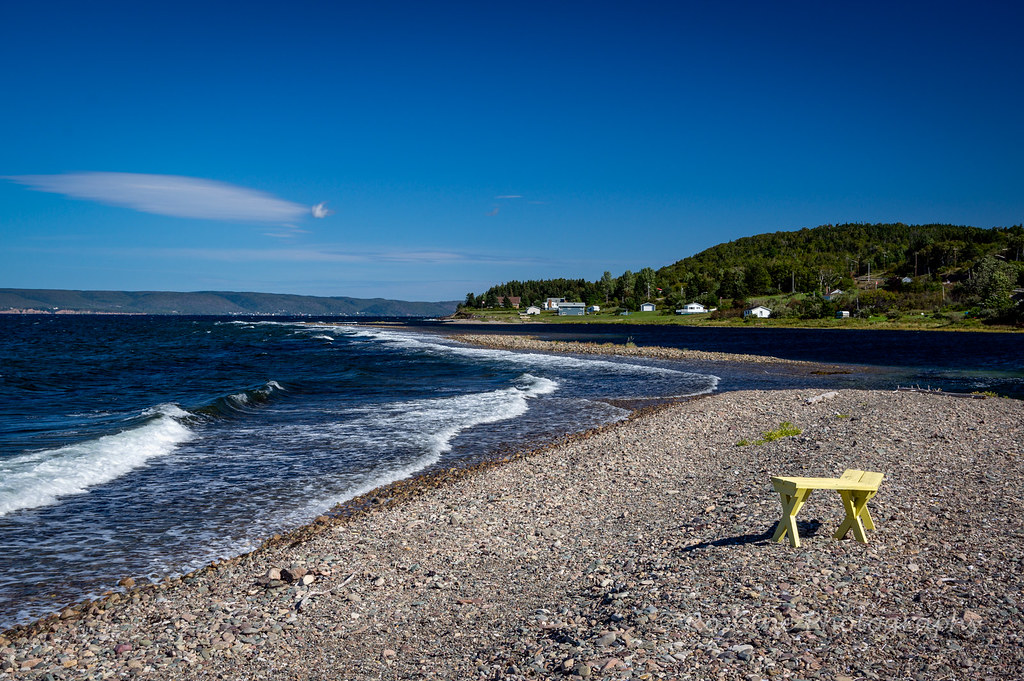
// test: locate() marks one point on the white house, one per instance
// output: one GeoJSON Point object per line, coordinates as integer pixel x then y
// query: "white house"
{"type": "Point", "coordinates": [594, 308]}
{"type": "Point", "coordinates": [647, 307]}
{"type": "Point", "coordinates": [553, 303]}
{"type": "Point", "coordinates": [692, 308]}
{"type": "Point", "coordinates": [834, 294]}
{"type": "Point", "coordinates": [757, 311]}
{"type": "Point", "coordinates": [533, 309]}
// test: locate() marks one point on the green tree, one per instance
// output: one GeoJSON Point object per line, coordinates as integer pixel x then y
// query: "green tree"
{"type": "Point", "coordinates": [758, 280]}
{"type": "Point", "coordinates": [733, 283]}
{"type": "Point", "coordinates": [708, 299]}
{"type": "Point", "coordinates": [470, 300]}
{"type": "Point", "coordinates": [624, 286]}
{"type": "Point", "coordinates": [878, 301]}
{"type": "Point", "coordinates": [607, 285]}
{"type": "Point", "coordinates": [991, 285]}
{"type": "Point", "coordinates": [644, 283]}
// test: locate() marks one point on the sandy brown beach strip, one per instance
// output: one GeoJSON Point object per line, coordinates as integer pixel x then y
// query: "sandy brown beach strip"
{"type": "Point", "coordinates": [639, 551]}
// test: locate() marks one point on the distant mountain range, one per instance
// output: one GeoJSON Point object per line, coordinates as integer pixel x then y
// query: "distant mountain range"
{"type": "Point", "coordinates": [210, 303]}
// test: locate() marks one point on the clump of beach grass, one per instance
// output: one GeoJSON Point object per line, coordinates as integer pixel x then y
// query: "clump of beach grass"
{"type": "Point", "coordinates": [785, 429]}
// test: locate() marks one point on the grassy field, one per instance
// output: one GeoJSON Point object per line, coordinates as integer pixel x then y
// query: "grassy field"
{"type": "Point", "coordinates": [910, 321]}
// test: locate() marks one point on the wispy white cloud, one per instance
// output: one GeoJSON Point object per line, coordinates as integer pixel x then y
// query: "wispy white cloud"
{"type": "Point", "coordinates": [511, 197]}
{"type": "Point", "coordinates": [293, 231]}
{"type": "Point", "coordinates": [320, 210]}
{"type": "Point", "coordinates": [324, 254]}
{"type": "Point", "coordinates": [185, 197]}
{"type": "Point", "coordinates": [302, 255]}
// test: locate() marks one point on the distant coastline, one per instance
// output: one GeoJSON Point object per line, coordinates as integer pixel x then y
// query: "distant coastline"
{"type": "Point", "coordinates": [213, 303]}
{"type": "Point", "coordinates": [90, 312]}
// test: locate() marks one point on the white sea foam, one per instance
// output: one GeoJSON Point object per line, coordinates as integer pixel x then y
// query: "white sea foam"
{"type": "Point", "coordinates": [530, 360]}
{"type": "Point", "coordinates": [427, 426]}
{"type": "Point", "coordinates": [41, 478]}
{"type": "Point", "coordinates": [431, 425]}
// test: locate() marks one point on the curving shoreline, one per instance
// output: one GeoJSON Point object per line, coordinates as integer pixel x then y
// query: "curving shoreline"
{"type": "Point", "coordinates": [638, 550]}
{"type": "Point", "coordinates": [517, 342]}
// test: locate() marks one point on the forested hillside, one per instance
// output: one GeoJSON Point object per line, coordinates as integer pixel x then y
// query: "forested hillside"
{"type": "Point", "coordinates": [880, 267]}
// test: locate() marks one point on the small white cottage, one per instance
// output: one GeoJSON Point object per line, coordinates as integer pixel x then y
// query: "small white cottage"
{"type": "Point", "coordinates": [757, 311]}
{"type": "Point", "coordinates": [647, 307]}
{"type": "Point", "coordinates": [692, 308]}
{"type": "Point", "coordinates": [533, 309]}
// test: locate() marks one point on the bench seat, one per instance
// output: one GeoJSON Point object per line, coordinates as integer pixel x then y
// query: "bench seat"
{"type": "Point", "coordinates": [855, 487]}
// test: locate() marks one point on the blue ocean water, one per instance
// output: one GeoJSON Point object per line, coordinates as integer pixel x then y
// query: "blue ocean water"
{"type": "Point", "coordinates": [149, 446]}
{"type": "Point", "coordinates": [960, 361]}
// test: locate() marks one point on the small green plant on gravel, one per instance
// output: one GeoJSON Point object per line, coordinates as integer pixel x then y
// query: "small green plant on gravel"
{"type": "Point", "coordinates": [785, 429]}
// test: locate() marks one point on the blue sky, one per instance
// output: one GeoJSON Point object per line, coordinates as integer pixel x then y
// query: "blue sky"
{"type": "Point", "coordinates": [183, 146]}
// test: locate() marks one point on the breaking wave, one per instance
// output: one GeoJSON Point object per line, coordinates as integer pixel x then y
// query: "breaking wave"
{"type": "Point", "coordinates": [41, 478]}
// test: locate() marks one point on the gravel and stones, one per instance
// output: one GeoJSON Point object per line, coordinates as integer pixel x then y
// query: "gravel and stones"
{"type": "Point", "coordinates": [518, 342]}
{"type": "Point", "coordinates": [637, 551]}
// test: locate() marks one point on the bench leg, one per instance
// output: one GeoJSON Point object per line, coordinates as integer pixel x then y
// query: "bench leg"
{"type": "Point", "coordinates": [869, 524]}
{"type": "Point", "coordinates": [857, 516]}
{"type": "Point", "coordinates": [790, 507]}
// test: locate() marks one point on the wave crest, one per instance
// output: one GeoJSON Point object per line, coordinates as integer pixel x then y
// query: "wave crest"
{"type": "Point", "coordinates": [41, 478]}
{"type": "Point", "coordinates": [241, 402]}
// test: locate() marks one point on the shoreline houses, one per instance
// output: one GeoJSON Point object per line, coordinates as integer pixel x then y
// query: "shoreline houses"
{"type": "Point", "coordinates": [553, 303]}
{"type": "Point", "coordinates": [514, 301]}
{"type": "Point", "coordinates": [647, 307]}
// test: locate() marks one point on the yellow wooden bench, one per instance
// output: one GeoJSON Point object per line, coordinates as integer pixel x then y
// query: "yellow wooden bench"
{"type": "Point", "coordinates": [855, 487]}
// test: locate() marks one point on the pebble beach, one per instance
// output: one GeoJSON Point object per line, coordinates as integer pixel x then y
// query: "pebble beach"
{"type": "Point", "coordinates": [640, 550]}
{"type": "Point", "coordinates": [524, 342]}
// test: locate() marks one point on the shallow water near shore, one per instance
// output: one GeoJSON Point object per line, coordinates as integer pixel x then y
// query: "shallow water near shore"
{"type": "Point", "coordinates": [950, 361]}
{"type": "Point", "coordinates": [147, 447]}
